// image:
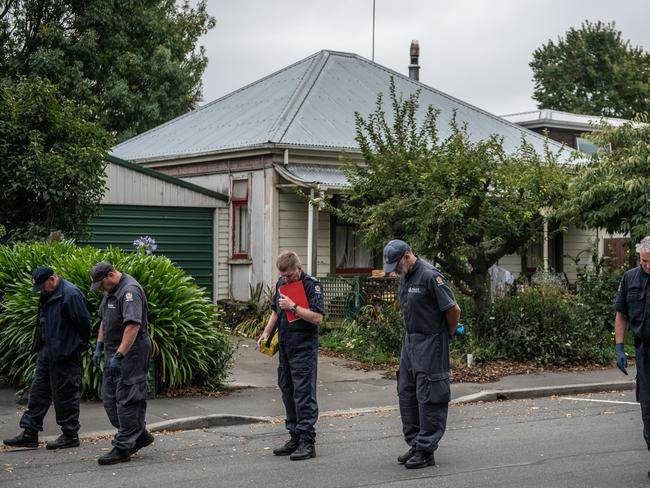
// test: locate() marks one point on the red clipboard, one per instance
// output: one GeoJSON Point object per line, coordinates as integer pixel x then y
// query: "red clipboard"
{"type": "Point", "coordinates": [295, 291]}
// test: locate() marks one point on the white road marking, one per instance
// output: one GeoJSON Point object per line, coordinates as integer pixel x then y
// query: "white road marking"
{"type": "Point", "coordinates": [598, 401]}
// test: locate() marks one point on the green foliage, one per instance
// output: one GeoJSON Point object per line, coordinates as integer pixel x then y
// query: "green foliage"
{"type": "Point", "coordinates": [52, 161]}
{"type": "Point", "coordinates": [596, 288]}
{"type": "Point", "coordinates": [375, 337]}
{"type": "Point", "coordinates": [253, 315]}
{"type": "Point", "coordinates": [461, 203]}
{"type": "Point", "coordinates": [611, 189]}
{"type": "Point", "coordinates": [544, 326]}
{"type": "Point", "coordinates": [137, 63]}
{"type": "Point", "coordinates": [190, 346]}
{"type": "Point", "coordinates": [592, 71]}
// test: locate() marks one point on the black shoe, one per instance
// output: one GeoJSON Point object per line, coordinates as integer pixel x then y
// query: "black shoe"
{"type": "Point", "coordinates": [115, 456]}
{"type": "Point", "coordinates": [64, 441]}
{"type": "Point", "coordinates": [421, 459]}
{"type": "Point", "coordinates": [143, 440]}
{"type": "Point", "coordinates": [290, 446]}
{"type": "Point", "coordinates": [406, 456]}
{"type": "Point", "coordinates": [305, 450]}
{"type": "Point", "coordinates": [28, 438]}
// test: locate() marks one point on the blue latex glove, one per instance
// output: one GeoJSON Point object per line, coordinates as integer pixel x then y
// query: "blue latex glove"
{"type": "Point", "coordinates": [115, 366]}
{"type": "Point", "coordinates": [621, 357]}
{"type": "Point", "coordinates": [97, 355]}
{"type": "Point", "coordinates": [460, 330]}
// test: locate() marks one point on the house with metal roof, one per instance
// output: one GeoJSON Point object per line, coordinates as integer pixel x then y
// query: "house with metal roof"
{"type": "Point", "coordinates": [284, 134]}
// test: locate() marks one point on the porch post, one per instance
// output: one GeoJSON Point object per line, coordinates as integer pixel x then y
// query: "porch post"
{"type": "Point", "coordinates": [546, 266]}
{"type": "Point", "coordinates": [312, 235]}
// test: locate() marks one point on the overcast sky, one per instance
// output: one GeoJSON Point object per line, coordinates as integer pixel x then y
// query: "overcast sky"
{"type": "Point", "coordinates": [475, 50]}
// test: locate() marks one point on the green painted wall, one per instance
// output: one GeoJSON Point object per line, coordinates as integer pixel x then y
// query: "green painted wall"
{"type": "Point", "coordinates": [184, 235]}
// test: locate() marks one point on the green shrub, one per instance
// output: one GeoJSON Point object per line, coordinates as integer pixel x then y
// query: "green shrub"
{"type": "Point", "coordinates": [544, 326]}
{"type": "Point", "coordinates": [596, 287]}
{"type": "Point", "coordinates": [375, 337]}
{"type": "Point", "coordinates": [190, 346]}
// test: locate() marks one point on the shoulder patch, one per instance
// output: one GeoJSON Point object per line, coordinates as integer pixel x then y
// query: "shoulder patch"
{"type": "Point", "coordinates": [128, 296]}
{"type": "Point", "coordinates": [318, 289]}
{"type": "Point", "coordinates": [439, 280]}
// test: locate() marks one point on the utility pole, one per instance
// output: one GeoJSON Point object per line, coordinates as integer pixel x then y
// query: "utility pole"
{"type": "Point", "coordinates": [373, 30]}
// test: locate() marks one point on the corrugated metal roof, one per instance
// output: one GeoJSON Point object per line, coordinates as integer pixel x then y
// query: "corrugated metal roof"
{"type": "Point", "coordinates": [325, 177]}
{"type": "Point", "coordinates": [555, 118]}
{"type": "Point", "coordinates": [308, 104]}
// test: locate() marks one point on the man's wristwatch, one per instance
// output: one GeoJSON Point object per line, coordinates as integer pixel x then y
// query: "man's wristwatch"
{"type": "Point", "coordinates": [119, 355]}
{"type": "Point", "coordinates": [294, 309]}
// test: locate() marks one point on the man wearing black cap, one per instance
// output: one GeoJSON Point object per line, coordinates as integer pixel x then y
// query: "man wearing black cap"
{"type": "Point", "coordinates": [430, 316]}
{"type": "Point", "coordinates": [124, 339]}
{"type": "Point", "coordinates": [62, 333]}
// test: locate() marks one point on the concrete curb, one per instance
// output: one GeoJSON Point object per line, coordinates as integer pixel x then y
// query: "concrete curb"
{"type": "Point", "coordinates": [543, 391]}
{"type": "Point", "coordinates": [225, 420]}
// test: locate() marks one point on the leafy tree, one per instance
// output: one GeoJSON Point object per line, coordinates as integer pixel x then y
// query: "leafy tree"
{"type": "Point", "coordinates": [592, 71]}
{"type": "Point", "coordinates": [611, 189]}
{"type": "Point", "coordinates": [460, 203]}
{"type": "Point", "coordinates": [51, 161]}
{"type": "Point", "coordinates": [136, 63]}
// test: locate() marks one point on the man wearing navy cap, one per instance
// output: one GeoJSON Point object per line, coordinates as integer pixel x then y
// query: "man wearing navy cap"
{"type": "Point", "coordinates": [62, 333]}
{"type": "Point", "coordinates": [431, 316]}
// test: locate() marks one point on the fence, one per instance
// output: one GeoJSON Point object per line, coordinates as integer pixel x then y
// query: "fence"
{"type": "Point", "coordinates": [345, 296]}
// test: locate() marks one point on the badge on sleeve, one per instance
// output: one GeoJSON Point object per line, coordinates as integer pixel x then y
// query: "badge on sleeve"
{"type": "Point", "coordinates": [128, 296]}
{"type": "Point", "coordinates": [318, 290]}
{"type": "Point", "coordinates": [440, 280]}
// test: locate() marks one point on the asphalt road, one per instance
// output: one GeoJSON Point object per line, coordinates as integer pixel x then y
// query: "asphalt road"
{"type": "Point", "coordinates": [590, 441]}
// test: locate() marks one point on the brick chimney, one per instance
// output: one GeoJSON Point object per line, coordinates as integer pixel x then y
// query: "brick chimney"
{"type": "Point", "coordinates": [414, 67]}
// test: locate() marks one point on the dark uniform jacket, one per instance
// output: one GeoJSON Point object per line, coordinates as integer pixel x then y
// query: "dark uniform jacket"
{"type": "Point", "coordinates": [424, 297]}
{"type": "Point", "coordinates": [631, 301]}
{"type": "Point", "coordinates": [314, 293]}
{"type": "Point", "coordinates": [64, 324]}
{"type": "Point", "coordinates": [126, 304]}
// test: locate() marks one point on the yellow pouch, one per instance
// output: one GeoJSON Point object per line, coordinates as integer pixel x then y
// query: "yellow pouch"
{"type": "Point", "coordinates": [270, 346]}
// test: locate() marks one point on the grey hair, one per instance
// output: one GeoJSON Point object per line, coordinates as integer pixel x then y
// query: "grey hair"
{"type": "Point", "coordinates": [644, 245]}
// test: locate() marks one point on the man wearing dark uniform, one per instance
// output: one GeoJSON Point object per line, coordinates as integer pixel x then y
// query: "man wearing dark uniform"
{"type": "Point", "coordinates": [124, 339]}
{"type": "Point", "coordinates": [298, 356]}
{"type": "Point", "coordinates": [430, 317]}
{"type": "Point", "coordinates": [62, 334]}
{"type": "Point", "coordinates": [633, 312]}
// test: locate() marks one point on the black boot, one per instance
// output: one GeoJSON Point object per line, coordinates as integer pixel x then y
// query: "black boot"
{"type": "Point", "coordinates": [114, 456]}
{"type": "Point", "coordinates": [64, 441]}
{"type": "Point", "coordinates": [289, 447]}
{"type": "Point", "coordinates": [143, 440]}
{"type": "Point", "coordinates": [305, 450]}
{"type": "Point", "coordinates": [406, 456]}
{"type": "Point", "coordinates": [28, 438]}
{"type": "Point", "coordinates": [421, 459]}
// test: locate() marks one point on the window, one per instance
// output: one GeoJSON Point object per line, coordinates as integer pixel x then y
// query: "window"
{"type": "Point", "coordinates": [586, 146]}
{"type": "Point", "coordinates": [241, 228]}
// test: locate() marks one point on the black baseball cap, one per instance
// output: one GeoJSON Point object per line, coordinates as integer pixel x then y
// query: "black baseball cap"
{"type": "Point", "coordinates": [39, 276]}
{"type": "Point", "coordinates": [393, 252]}
{"type": "Point", "coordinates": [98, 273]}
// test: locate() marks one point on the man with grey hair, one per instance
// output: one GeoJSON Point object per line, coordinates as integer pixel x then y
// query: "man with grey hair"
{"type": "Point", "coordinates": [431, 316]}
{"type": "Point", "coordinates": [632, 313]}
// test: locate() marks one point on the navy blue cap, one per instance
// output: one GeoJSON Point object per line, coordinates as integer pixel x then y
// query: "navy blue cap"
{"type": "Point", "coordinates": [393, 252]}
{"type": "Point", "coordinates": [98, 273]}
{"type": "Point", "coordinates": [39, 276]}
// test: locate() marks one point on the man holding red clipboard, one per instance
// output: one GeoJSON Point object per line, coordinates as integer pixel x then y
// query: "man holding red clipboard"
{"type": "Point", "coordinates": [297, 309]}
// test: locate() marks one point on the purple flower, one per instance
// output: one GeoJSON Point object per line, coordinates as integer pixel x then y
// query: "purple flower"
{"type": "Point", "coordinates": [145, 243]}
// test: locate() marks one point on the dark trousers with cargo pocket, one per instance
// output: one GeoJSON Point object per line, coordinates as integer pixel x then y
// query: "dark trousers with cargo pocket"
{"type": "Point", "coordinates": [297, 369]}
{"type": "Point", "coordinates": [423, 401]}
{"type": "Point", "coordinates": [125, 396]}
{"type": "Point", "coordinates": [55, 382]}
{"type": "Point", "coordinates": [642, 356]}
